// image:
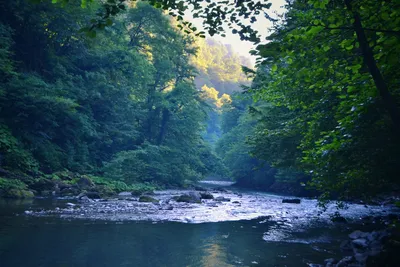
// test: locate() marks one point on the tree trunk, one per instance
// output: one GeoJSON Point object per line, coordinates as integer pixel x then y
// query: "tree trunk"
{"type": "Point", "coordinates": [163, 129]}
{"type": "Point", "coordinates": [369, 59]}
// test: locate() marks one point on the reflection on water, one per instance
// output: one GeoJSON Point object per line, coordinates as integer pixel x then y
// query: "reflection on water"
{"type": "Point", "coordinates": [31, 241]}
{"type": "Point", "coordinates": [288, 235]}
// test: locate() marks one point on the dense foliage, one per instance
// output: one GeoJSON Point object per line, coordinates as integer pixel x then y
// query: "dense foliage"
{"type": "Point", "coordinates": [122, 105]}
{"type": "Point", "coordinates": [328, 96]}
{"type": "Point", "coordinates": [326, 93]}
{"type": "Point", "coordinates": [219, 67]}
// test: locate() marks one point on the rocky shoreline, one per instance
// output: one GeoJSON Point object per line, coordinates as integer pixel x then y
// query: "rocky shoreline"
{"type": "Point", "coordinates": [368, 249]}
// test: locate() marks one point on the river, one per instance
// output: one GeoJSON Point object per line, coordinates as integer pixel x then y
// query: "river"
{"type": "Point", "coordinates": [252, 229]}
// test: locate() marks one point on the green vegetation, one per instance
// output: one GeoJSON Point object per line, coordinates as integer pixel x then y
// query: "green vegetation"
{"type": "Point", "coordinates": [322, 108]}
{"type": "Point", "coordinates": [219, 67]}
{"type": "Point", "coordinates": [121, 108]}
{"type": "Point", "coordinates": [327, 99]}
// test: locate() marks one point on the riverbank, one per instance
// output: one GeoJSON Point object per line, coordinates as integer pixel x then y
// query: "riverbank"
{"type": "Point", "coordinates": [64, 184]}
{"type": "Point", "coordinates": [266, 221]}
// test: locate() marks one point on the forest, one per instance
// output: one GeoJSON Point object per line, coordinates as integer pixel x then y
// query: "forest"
{"type": "Point", "coordinates": [130, 136]}
{"type": "Point", "coordinates": [138, 100]}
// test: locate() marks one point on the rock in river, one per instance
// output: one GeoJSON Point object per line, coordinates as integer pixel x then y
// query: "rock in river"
{"type": "Point", "coordinates": [222, 199]}
{"type": "Point", "coordinates": [206, 195]}
{"type": "Point", "coordinates": [291, 200]}
{"type": "Point", "coordinates": [148, 199]}
{"type": "Point", "coordinates": [125, 194]}
{"type": "Point", "coordinates": [191, 197]}
{"type": "Point", "coordinates": [358, 234]}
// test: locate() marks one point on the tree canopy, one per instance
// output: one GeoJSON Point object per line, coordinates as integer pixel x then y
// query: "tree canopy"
{"type": "Point", "coordinates": [123, 105]}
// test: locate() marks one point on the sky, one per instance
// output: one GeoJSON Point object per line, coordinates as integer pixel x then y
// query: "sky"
{"type": "Point", "coordinates": [262, 26]}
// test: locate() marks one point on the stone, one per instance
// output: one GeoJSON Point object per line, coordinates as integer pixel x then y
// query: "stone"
{"type": "Point", "coordinates": [221, 189]}
{"type": "Point", "coordinates": [360, 243]}
{"type": "Point", "coordinates": [330, 261]}
{"type": "Point", "coordinates": [361, 257]}
{"type": "Point", "coordinates": [345, 261]}
{"type": "Point", "coordinates": [358, 234]}
{"type": "Point", "coordinates": [373, 236]}
{"type": "Point", "coordinates": [85, 199]}
{"type": "Point", "coordinates": [191, 197]}
{"type": "Point", "coordinates": [222, 199]}
{"type": "Point", "coordinates": [339, 219]}
{"type": "Point", "coordinates": [125, 194]}
{"type": "Point", "coordinates": [42, 184]}
{"type": "Point", "coordinates": [206, 195]}
{"type": "Point", "coordinates": [93, 195]}
{"type": "Point", "coordinates": [199, 188]}
{"type": "Point", "coordinates": [85, 182]}
{"type": "Point", "coordinates": [148, 199]}
{"type": "Point", "coordinates": [345, 246]}
{"type": "Point", "coordinates": [18, 194]}
{"type": "Point", "coordinates": [291, 200]}
{"type": "Point", "coordinates": [69, 191]}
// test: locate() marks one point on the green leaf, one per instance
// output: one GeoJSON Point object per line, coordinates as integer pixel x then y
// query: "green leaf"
{"type": "Point", "coordinates": [314, 30]}
{"type": "Point", "coordinates": [109, 22]}
{"type": "Point", "coordinates": [91, 34]}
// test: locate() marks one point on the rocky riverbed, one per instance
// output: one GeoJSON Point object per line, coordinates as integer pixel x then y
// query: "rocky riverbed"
{"type": "Point", "coordinates": [206, 205]}
{"type": "Point", "coordinates": [244, 217]}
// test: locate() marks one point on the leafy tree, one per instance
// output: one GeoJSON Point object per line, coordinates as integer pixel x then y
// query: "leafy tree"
{"type": "Point", "coordinates": [318, 66]}
{"type": "Point", "coordinates": [122, 105]}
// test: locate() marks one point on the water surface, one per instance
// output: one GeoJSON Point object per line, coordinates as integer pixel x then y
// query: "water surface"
{"type": "Point", "coordinates": [257, 231]}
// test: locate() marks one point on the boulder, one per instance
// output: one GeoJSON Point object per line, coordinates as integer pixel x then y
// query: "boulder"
{"type": "Point", "coordinates": [360, 243]}
{"type": "Point", "coordinates": [345, 261]}
{"type": "Point", "coordinates": [148, 199]}
{"type": "Point", "coordinates": [373, 236]}
{"type": "Point", "coordinates": [361, 257]}
{"type": "Point", "coordinates": [125, 194]}
{"type": "Point", "coordinates": [339, 219]}
{"type": "Point", "coordinates": [221, 189]}
{"type": "Point", "coordinates": [93, 195]}
{"type": "Point", "coordinates": [191, 197]}
{"type": "Point", "coordinates": [206, 195]}
{"type": "Point", "coordinates": [222, 199]}
{"type": "Point", "coordinates": [291, 200]}
{"type": "Point", "coordinates": [85, 182]}
{"type": "Point", "coordinates": [199, 188]}
{"type": "Point", "coordinates": [85, 199]}
{"type": "Point", "coordinates": [358, 234]}
{"type": "Point", "coordinates": [69, 191]}
{"type": "Point", "coordinates": [45, 193]}
{"type": "Point", "coordinates": [330, 262]}
{"type": "Point", "coordinates": [345, 246]}
{"type": "Point", "coordinates": [42, 184]}
{"type": "Point", "coordinates": [18, 194]}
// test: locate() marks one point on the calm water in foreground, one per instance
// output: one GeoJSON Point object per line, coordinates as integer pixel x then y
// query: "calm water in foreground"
{"type": "Point", "coordinates": [263, 241]}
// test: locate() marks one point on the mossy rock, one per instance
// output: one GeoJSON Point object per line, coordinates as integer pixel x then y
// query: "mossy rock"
{"type": "Point", "coordinates": [105, 191]}
{"type": "Point", "coordinates": [42, 184]}
{"type": "Point", "coordinates": [85, 182]}
{"type": "Point", "coordinates": [18, 194]}
{"type": "Point", "coordinates": [46, 193]}
{"type": "Point", "coordinates": [191, 197]}
{"type": "Point", "coordinates": [206, 195]}
{"type": "Point", "coordinates": [148, 199]}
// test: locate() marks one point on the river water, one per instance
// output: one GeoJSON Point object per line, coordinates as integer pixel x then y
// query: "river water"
{"type": "Point", "coordinates": [252, 229]}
